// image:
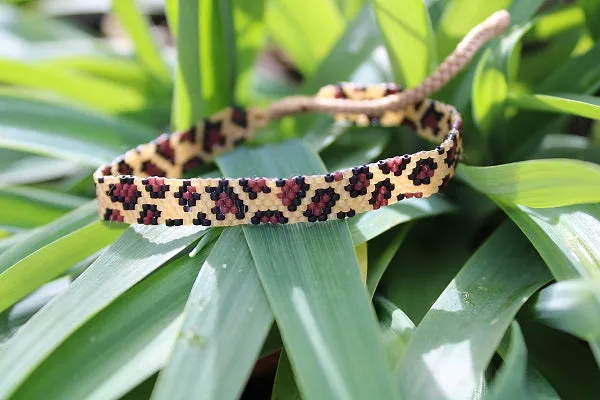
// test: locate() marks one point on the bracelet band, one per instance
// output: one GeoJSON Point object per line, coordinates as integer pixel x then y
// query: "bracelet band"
{"type": "Point", "coordinates": [140, 186]}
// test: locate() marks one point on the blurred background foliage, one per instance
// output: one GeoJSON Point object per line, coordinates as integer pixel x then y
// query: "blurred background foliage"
{"type": "Point", "coordinates": [491, 290]}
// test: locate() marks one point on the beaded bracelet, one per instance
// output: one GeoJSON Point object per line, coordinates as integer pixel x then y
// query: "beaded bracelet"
{"type": "Point", "coordinates": [137, 187]}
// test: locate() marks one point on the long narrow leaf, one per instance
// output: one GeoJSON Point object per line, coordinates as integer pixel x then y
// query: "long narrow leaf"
{"type": "Point", "coordinates": [475, 310]}
{"type": "Point", "coordinates": [409, 39]}
{"type": "Point", "coordinates": [133, 20]}
{"type": "Point", "coordinates": [124, 344]}
{"type": "Point", "coordinates": [226, 320]}
{"type": "Point", "coordinates": [131, 258]}
{"type": "Point", "coordinates": [581, 105]}
{"type": "Point", "coordinates": [537, 183]}
{"type": "Point", "coordinates": [316, 294]}
{"type": "Point", "coordinates": [53, 259]}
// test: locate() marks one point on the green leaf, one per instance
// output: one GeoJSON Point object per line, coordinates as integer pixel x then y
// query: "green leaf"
{"type": "Point", "coordinates": [513, 382]}
{"type": "Point", "coordinates": [565, 361]}
{"type": "Point", "coordinates": [459, 17]}
{"type": "Point", "coordinates": [35, 239]}
{"type": "Point", "coordinates": [585, 67]}
{"type": "Point", "coordinates": [492, 79]}
{"type": "Point", "coordinates": [124, 71]}
{"type": "Point", "coordinates": [537, 183]}
{"type": "Point", "coordinates": [51, 260]}
{"type": "Point", "coordinates": [188, 104]}
{"type": "Point", "coordinates": [138, 252]}
{"type": "Point", "coordinates": [226, 319]}
{"type": "Point", "coordinates": [581, 105]}
{"type": "Point", "coordinates": [217, 54]}
{"type": "Point", "coordinates": [43, 143]}
{"type": "Point", "coordinates": [353, 49]}
{"type": "Point", "coordinates": [565, 237]}
{"type": "Point", "coordinates": [305, 35]}
{"type": "Point", "coordinates": [33, 169]}
{"type": "Point", "coordinates": [560, 31]}
{"type": "Point", "coordinates": [133, 21]}
{"type": "Point", "coordinates": [69, 121]}
{"type": "Point", "coordinates": [522, 11]}
{"type": "Point", "coordinates": [124, 344]}
{"type": "Point", "coordinates": [409, 39]}
{"type": "Point", "coordinates": [317, 295]}
{"type": "Point", "coordinates": [519, 379]}
{"type": "Point", "coordinates": [396, 329]}
{"type": "Point", "coordinates": [250, 35]}
{"type": "Point", "coordinates": [284, 387]}
{"type": "Point", "coordinates": [28, 207]}
{"type": "Point", "coordinates": [202, 84]}
{"type": "Point", "coordinates": [366, 226]}
{"type": "Point", "coordinates": [475, 310]}
{"type": "Point", "coordinates": [76, 87]}
{"type": "Point", "coordinates": [382, 257]}
{"type": "Point", "coordinates": [591, 10]}
{"type": "Point", "coordinates": [571, 306]}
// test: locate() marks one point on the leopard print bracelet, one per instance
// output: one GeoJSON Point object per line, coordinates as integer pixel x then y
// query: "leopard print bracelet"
{"type": "Point", "coordinates": [140, 187]}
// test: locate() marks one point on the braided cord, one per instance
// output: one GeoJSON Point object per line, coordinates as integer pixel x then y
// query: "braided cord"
{"type": "Point", "coordinates": [142, 185]}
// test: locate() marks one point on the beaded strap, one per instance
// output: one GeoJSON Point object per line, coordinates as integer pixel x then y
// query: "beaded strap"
{"type": "Point", "coordinates": [141, 186]}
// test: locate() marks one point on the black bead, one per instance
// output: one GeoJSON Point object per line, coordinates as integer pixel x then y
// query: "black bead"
{"type": "Point", "coordinates": [351, 213]}
{"type": "Point", "coordinates": [240, 215]}
{"type": "Point", "coordinates": [341, 215]}
{"type": "Point", "coordinates": [220, 217]}
{"type": "Point", "coordinates": [255, 220]}
{"type": "Point", "coordinates": [252, 195]}
{"type": "Point", "coordinates": [205, 222]}
{"type": "Point", "coordinates": [322, 217]}
{"type": "Point", "coordinates": [312, 218]}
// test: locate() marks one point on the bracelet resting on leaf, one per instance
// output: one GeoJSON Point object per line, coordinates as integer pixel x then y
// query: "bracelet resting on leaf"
{"type": "Point", "coordinates": [141, 186]}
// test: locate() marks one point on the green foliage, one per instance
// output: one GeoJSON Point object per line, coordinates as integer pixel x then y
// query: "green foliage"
{"type": "Point", "coordinates": [94, 310]}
